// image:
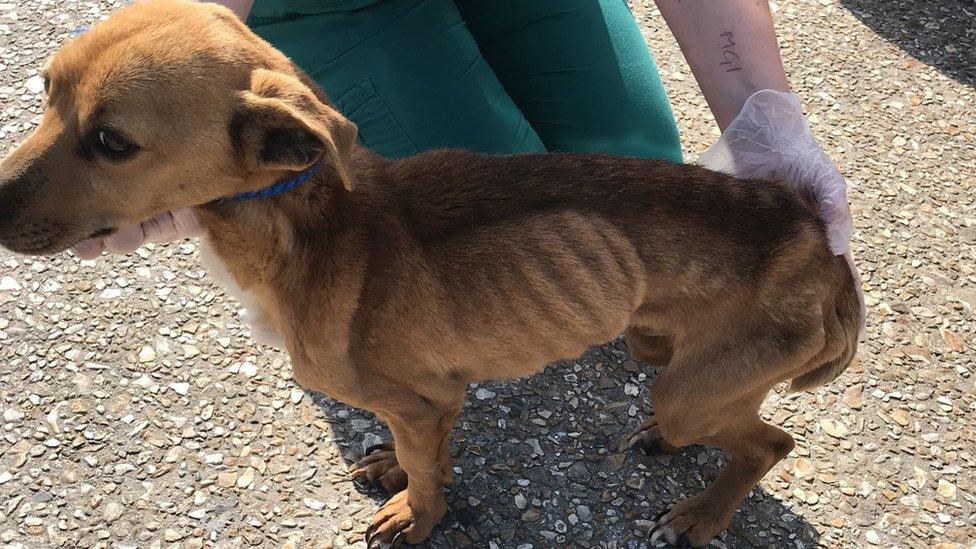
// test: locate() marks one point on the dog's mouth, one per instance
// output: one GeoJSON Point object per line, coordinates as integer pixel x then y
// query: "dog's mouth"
{"type": "Point", "coordinates": [33, 238]}
{"type": "Point", "coordinates": [100, 233]}
{"type": "Point", "coordinates": [36, 245]}
{"type": "Point", "coordinates": [49, 239]}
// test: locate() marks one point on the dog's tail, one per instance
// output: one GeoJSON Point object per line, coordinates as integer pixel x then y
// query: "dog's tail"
{"type": "Point", "coordinates": [841, 313]}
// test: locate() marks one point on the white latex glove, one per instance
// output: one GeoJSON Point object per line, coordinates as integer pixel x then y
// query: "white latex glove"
{"type": "Point", "coordinates": [770, 139]}
{"type": "Point", "coordinates": [165, 227]}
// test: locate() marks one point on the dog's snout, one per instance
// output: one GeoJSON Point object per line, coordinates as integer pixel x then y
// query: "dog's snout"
{"type": "Point", "coordinates": [7, 200]}
{"type": "Point", "coordinates": [7, 222]}
{"type": "Point", "coordinates": [26, 225]}
{"type": "Point", "coordinates": [16, 190]}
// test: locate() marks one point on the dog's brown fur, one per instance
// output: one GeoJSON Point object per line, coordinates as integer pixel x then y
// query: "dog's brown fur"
{"type": "Point", "coordinates": [394, 284]}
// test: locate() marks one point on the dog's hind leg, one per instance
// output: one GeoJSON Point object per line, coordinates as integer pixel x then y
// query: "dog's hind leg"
{"type": "Point", "coordinates": [421, 431]}
{"type": "Point", "coordinates": [655, 349]}
{"type": "Point", "coordinates": [648, 438]}
{"type": "Point", "coordinates": [755, 447]}
{"type": "Point", "coordinates": [712, 397]}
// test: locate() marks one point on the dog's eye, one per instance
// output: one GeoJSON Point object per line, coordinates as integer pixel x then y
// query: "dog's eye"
{"type": "Point", "coordinates": [111, 145]}
{"type": "Point", "coordinates": [112, 141]}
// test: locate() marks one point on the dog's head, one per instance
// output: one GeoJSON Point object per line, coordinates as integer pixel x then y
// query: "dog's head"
{"type": "Point", "coordinates": [166, 104]}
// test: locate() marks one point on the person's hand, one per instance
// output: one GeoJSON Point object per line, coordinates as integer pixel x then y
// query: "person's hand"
{"type": "Point", "coordinates": [165, 227]}
{"type": "Point", "coordinates": [770, 139]}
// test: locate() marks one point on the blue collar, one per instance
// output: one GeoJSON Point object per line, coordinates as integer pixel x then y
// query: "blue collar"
{"type": "Point", "coordinates": [278, 187]}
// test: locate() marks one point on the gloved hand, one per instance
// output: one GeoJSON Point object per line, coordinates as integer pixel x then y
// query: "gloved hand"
{"type": "Point", "coordinates": [770, 138]}
{"type": "Point", "coordinates": [165, 227]}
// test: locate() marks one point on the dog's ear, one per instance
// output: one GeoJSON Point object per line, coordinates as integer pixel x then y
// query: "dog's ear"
{"type": "Point", "coordinates": [280, 124]}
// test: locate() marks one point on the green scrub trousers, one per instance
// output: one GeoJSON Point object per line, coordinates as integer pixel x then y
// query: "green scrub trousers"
{"type": "Point", "coordinates": [493, 76]}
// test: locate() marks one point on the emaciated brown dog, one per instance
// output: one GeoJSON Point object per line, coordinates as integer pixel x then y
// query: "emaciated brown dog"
{"type": "Point", "coordinates": [395, 284]}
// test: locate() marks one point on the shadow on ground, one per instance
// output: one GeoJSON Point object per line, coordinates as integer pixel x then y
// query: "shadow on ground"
{"type": "Point", "coordinates": [940, 33]}
{"type": "Point", "coordinates": [535, 464]}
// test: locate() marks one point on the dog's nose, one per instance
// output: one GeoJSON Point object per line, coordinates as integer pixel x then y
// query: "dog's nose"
{"type": "Point", "coordinates": [11, 198]}
{"type": "Point", "coordinates": [6, 203]}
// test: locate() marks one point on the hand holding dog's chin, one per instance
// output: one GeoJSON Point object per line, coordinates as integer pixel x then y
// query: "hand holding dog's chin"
{"type": "Point", "coordinates": [89, 249]}
{"type": "Point", "coordinates": [165, 227]}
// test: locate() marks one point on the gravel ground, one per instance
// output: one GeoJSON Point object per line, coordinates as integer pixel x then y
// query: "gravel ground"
{"type": "Point", "coordinates": [137, 413]}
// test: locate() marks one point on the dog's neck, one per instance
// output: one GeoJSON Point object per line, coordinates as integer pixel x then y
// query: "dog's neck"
{"type": "Point", "coordinates": [275, 247]}
{"type": "Point", "coordinates": [261, 249]}
{"type": "Point", "coordinates": [278, 188]}
{"type": "Point", "coordinates": [269, 225]}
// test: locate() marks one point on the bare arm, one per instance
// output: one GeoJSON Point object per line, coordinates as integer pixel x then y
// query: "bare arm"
{"type": "Point", "coordinates": [731, 48]}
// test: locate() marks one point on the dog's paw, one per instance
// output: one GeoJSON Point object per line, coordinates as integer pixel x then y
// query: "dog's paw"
{"type": "Point", "coordinates": [380, 464]}
{"type": "Point", "coordinates": [648, 438]}
{"type": "Point", "coordinates": [400, 520]}
{"type": "Point", "coordinates": [690, 523]}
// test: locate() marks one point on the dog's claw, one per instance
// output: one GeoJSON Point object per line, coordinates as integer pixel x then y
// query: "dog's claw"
{"type": "Point", "coordinates": [378, 543]}
{"type": "Point", "coordinates": [375, 447]}
{"type": "Point", "coordinates": [662, 530]}
{"type": "Point", "coordinates": [627, 442]}
{"type": "Point", "coordinates": [369, 535]}
{"type": "Point", "coordinates": [649, 438]}
{"type": "Point", "coordinates": [655, 535]}
{"type": "Point", "coordinates": [656, 531]}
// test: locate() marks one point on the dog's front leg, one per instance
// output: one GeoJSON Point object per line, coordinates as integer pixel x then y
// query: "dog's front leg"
{"type": "Point", "coordinates": [421, 432]}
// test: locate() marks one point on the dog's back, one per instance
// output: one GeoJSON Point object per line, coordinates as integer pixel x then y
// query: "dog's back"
{"type": "Point", "coordinates": [670, 241]}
